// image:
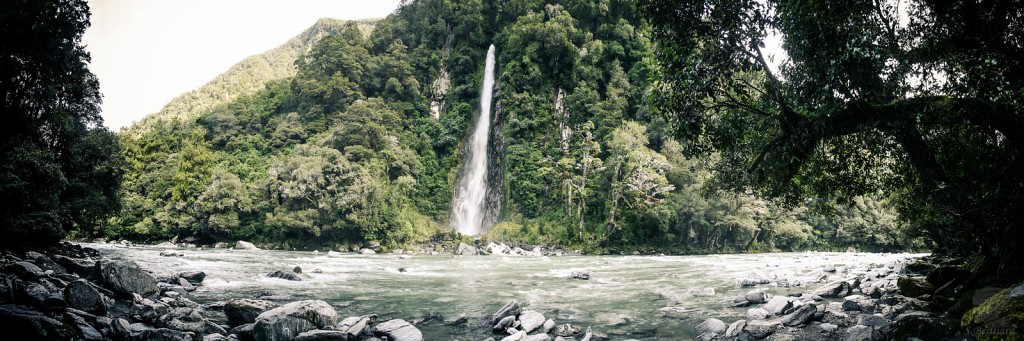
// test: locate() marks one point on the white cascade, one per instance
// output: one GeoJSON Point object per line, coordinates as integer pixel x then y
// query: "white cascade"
{"type": "Point", "coordinates": [468, 206]}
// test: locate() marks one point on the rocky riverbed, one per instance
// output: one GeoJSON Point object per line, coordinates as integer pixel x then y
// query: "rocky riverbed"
{"type": "Point", "coordinates": [74, 293]}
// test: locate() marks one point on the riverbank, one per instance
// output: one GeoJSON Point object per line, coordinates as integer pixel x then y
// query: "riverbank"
{"type": "Point", "coordinates": [837, 302]}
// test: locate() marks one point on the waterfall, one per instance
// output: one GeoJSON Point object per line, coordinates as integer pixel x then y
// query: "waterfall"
{"type": "Point", "coordinates": [468, 206]}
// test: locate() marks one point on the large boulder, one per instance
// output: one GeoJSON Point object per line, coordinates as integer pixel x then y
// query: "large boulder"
{"type": "Point", "coordinates": [465, 249]}
{"type": "Point", "coordinates": [780, 305]}
{"type": "Point", "coordinates": [242, 311]}
{"type": "Point", "coordinates": [82, 296]}
{"type": "Point", "coordinates": [126, 278]}
{"type": "Point", "coordinates": [914, 287]}
{"type": "Point", "coordinates": [510, 309]}
{"type": "Point", "coordinates": [33, 325]}
{"type": "Point", "coordinates": [356, 324]}
{"type": "Point", "coordinates": [800, 316]}
{"type": "Point", "coordinates": [863, 333]}
{"type": "Point", "coordinates": [735, 329]}
{"type": "Point", "coordinates": [397, 330]}
{"type": "Point", "coordinates": [1002, 312]}
{"type": "Point", "coordinates": [833, 290]}
{"type": "Point", "coordinates": [45, 262]}
{"type": "Point", "coordinates": [754, 297]}
{"type": "Point", "coordinates": [288, 321]}
{"type": "Point", "coordinates": [760, 329]}
{"type": "Point", "coordinates": [503, 324]}
{"type": "Point", "coordinates": [530, 320]}
{"type": "Point", "coordinates": [284, 275]}
{"type": "Point", "coordinates": [26, 270]}
{"type": "Point", "coordinates": [244, 245]}
{"type": "Point", "coordinates": [193, 277]}
{"type": "Point", "coordinates": [82, 267]}
{"type": "Point", "coordinates": [712, 325]}
{"type": "Point", "coordinates": [758, 314]}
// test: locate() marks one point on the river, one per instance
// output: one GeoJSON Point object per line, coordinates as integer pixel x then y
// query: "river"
{"type": "Point", "coordinates": [622, 298]}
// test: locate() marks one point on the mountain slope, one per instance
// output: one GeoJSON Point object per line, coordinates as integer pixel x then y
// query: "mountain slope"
{"type": "Point", "coordinates": [249, 75]}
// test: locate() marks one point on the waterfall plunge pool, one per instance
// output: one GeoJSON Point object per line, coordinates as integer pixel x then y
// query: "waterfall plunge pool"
{"type": "Point", "coordinates": [622, 298]}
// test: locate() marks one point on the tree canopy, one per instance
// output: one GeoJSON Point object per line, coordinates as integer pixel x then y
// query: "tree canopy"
{"type": "Point", "coordinates": [919, 101]}
{"type": "Point", "coordinates": [59, 167]}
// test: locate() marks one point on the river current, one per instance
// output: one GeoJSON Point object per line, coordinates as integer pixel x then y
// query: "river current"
{"type": "Point", "coordinates": [623, 297]}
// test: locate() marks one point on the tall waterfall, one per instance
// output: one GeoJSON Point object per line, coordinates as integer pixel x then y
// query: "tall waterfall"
{"type": "Point", "coordinates": [468, 206]}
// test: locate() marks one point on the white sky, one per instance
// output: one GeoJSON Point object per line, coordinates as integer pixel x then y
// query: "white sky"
{"type": "Point", "coordinates": [146, 52]}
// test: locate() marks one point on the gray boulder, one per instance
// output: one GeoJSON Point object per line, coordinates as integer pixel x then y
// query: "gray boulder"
{"type": "Point", "coordinates": [758, 314]}
{"type": "Point", "coordinates": [548, 326]}
{"type": "Point", "coordinates": [193, 277]}
{"type": "Point", "coordinates": [756, 297]}
{"type": "Point", "coordinates": [126, 278]}
{"type": "Point", "coordinates": [324, 335]}
{"type": "Point", "coordinates": [244, 332]}
{"type": "Point", "coordinates": [735, 329]}
{"type": "Point", "coordinates": [25, 270]}
{"type": "Point", "coordinates": [82, 296]}
{"type": "Point", "coordinates": [244, 245]}
{"type": "Point", "coordinates": [800, 316]}
{"type": "Point", "coordinates": [863, 333]}
{"type": "Point", "coordinates": [515, 336]}
{"type": "Point", "coordinates": [503, 324]}
{"type": "Point", "coordinates": [288, 321]}
{"type": "Point", "coordinates": [760, 329]}
{"type": "Point", "coordinates": [356, 324]}
{"type": "Point", "coordinates": [833, 290]}
{"type": "Point", "coordinates": [874, 321]}
{"type": "Point", "coordinates": [510, 309]}
{"type": "Point", "coordinates": [780, 305]}
{"type": "Point", "coordinates": [712, 325]}
{"type": "Point", "coordinates": [45, 262]}
{"type": "Point", "coordinates": [149, 311]}
{"type": "Point", "coordinates": [465, 249]}
{"type": "Point", "coordinates": [284, 275]}
{"type": "Point", "coordinates": [398, 330]}
{"type": "Point", "coordinates": [82, 267]}
{"type": "Point", "coordinates": [530, 320]}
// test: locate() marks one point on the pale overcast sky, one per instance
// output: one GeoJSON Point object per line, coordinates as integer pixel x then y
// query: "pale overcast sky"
{"type": "Point", "coordinates": [146, 52]}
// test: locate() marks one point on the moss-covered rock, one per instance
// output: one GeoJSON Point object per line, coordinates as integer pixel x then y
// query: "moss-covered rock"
{"type": "Point", "coordinates": [914, 287]}
{"type": "Point", "coordinates": [920, 266]}
{"type": "Point", "coordinates": [1000, 317]}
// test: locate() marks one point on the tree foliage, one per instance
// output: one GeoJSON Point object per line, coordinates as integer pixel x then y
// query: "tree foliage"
{"type": "Point", "coordinates": [347, 151]}
{"type": "Point", "coordinates": [59, 167]}
{"type": "Point", "coordinates": [917, 101]}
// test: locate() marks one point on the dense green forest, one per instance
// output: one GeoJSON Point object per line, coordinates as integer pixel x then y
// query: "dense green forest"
{"type": "Point", "coordinates": [619, 125]}
{"type": "Point", "coordinates": [59, 167]}
{"type": "Point", "coordinates": [348, 150]}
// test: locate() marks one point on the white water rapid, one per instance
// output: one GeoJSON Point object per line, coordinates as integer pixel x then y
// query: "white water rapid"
{"type": "Point", "coordinates": [468, 206]}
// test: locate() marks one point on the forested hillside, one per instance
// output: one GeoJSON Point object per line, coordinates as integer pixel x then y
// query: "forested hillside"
{"type": "Point", "coordinates": [364, 143]}
{"type": "Point", "coordinates": [248, 76]}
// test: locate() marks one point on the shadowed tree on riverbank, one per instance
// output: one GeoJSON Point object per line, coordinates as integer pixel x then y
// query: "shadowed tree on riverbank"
{"type": "Point", "coordinates": [918, 101]}
{"type": "Point", "coordinates": [59, 167]}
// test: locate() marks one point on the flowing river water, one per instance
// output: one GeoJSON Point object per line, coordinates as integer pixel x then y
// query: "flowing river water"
{"type": "Point", "coordinates": [622, 298]}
